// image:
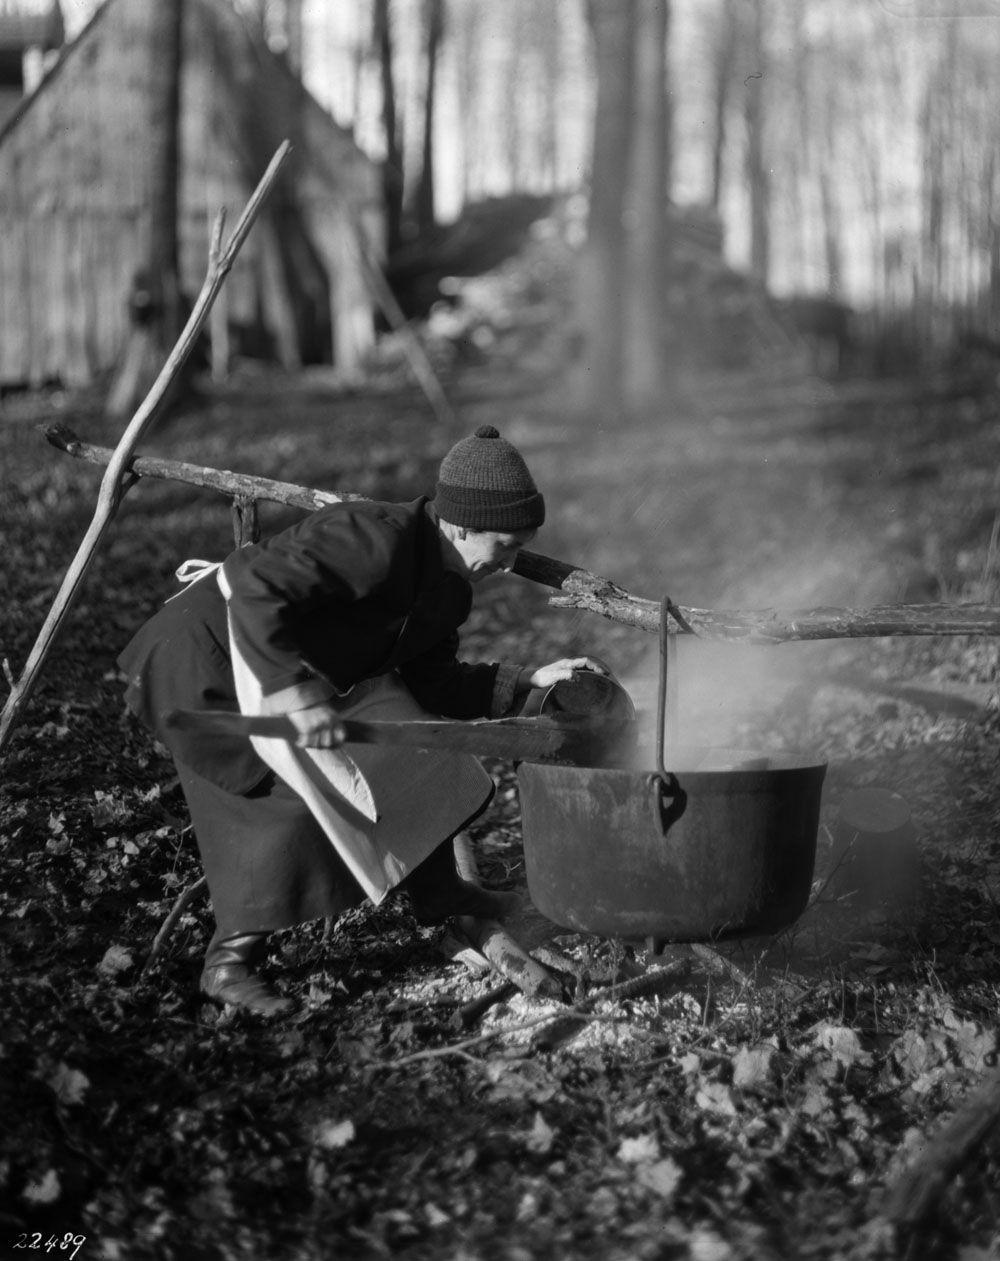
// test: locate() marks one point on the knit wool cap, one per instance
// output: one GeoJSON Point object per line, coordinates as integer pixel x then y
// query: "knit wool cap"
{"type": "Point", "coordinates": [484, 484]}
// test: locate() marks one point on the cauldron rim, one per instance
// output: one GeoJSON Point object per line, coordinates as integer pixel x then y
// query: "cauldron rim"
{"type": "Point", "coordinates": [715, 760]}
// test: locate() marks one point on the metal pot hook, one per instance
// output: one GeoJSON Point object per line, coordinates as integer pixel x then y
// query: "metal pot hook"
{"type": "Point", "coordinates": [669, 800]}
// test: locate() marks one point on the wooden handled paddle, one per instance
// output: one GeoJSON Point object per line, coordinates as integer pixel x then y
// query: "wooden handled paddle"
{"type": "Point", "coordinates": [585, 741]}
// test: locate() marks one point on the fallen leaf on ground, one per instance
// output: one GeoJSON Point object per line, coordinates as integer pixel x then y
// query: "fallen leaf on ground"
{"type": "Point", "coordinates": [540, 1137]}
{"type": "Point", "coordinates": [752, 1066]}
{"type": "Point", "coordinates": [69, 1084]}
{"type": "Point", "coordinates": [715, 1096]}
{"type": "Point", "coordinates": [634, 1151]}
{"type": "Point", "coordinates": [116, 959]}
{"type": "Point", "coordinates": [662, 1176]}
{"type": "Point", "coordinates": [45, 1190]}
{"type": "Point", "coordinates": [842, 1043]}
{"type": "Point", "coordinates": [333, 1134]}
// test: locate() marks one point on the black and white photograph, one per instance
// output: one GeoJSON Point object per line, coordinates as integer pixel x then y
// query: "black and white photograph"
{"type": "Point", "coordinates": [500, 630]}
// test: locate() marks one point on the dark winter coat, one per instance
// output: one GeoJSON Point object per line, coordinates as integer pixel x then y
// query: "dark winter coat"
{"type": "Point", "coordinates": [351, 592]}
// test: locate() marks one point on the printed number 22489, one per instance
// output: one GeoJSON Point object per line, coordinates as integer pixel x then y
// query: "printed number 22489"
{"type": "Point", "coordinates": [68, 1240]}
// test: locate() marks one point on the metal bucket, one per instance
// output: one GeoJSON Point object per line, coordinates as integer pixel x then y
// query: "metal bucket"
{"type": "Point", "coordinates": [587, 694]}
{"type": "Point", "coordinates": [723, 843]}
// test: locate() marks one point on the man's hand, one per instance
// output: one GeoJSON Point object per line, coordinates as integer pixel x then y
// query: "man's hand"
{"type": "Point", "coordinates": [319, 725]}
{"type": "Point", "coordinates": [557, 671]}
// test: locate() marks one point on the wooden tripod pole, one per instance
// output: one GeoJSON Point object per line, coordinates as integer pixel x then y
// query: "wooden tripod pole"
{"type": "Point", "coordinates": [418, 358]}
{"type": "Point", "coordinates": [117, 479]}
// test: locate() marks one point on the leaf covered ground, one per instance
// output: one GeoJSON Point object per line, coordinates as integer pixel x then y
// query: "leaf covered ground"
{"type": "Point", "coordinates": [756, 1101]}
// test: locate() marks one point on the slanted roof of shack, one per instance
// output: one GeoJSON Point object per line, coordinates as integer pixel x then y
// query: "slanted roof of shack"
{"type": "Point", "coordinates": [76, 187]}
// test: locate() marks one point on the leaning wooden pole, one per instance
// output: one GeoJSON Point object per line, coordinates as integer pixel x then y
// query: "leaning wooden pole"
{"type": "Point", "coordinates": [913, 1197]}
{"type": "Point", "coordinates": [118, 477]}
{"type": "Point", "coordinates": [418, 358]}
{"type": "Point", "coordinates": [579, 588]}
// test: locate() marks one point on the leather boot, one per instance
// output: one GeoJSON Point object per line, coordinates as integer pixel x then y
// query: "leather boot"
{"type": "Point", "coordinates": [437, 892]}
{"type": "Point", "coordinates": [230, 975]}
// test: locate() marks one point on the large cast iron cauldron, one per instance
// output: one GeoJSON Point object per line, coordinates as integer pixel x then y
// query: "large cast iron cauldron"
{"type": "Point", "coordinates": [724, 851]}
{"type": "Point", "coordinates": [722, 843]}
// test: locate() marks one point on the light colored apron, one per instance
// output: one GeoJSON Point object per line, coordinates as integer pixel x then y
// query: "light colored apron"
{"type": "Point", "coordinates": [383, 808]}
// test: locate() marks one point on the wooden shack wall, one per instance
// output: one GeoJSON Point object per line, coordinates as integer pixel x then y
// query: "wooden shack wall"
{"type": "Point", "coordinates": [74, 191]}
{"type": "Point", "coordinates": [213, 174]}
{"type": "Point", "coordinates": [340, 193]}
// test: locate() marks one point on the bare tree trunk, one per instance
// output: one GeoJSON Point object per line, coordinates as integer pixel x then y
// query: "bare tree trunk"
{"type": "Point", "coordinates": [392, 167]}
{"type": "Point", "coordinates": [434, 18]}
{"type": "Point", "coordinates": [165, 144]}
{"type": "Point", "coordinates": [647, 194]}
{"type": "Point", "coordinates": [758, 178]}
{"type": "Point", "coordinates": [992, 295]}
{"type": "Point", "coordinates": [467, 36]}
{"type": "Point", "coordinates": [548, 88]}
{"type": "Point", "coordinates": [798, 169]}
{"type": "Point", "coordinates": [602, 274]}
{"type": "Point", "coordinates": [832, 252]}
{"type": "Point", "coordinates": [154, 303]}
{"type": "Point", "coordinates": [926, 272]}
{"type": "Point", "coordinates": [293, 34]}
{"type": "Point", "coordinates": [513, 131]}
{"type": "Point", "coordinates": [722, 74]}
